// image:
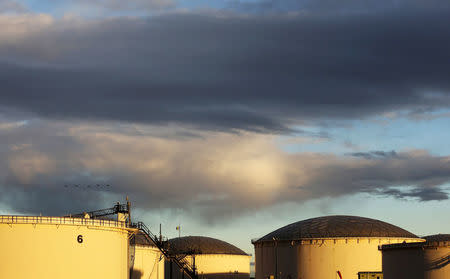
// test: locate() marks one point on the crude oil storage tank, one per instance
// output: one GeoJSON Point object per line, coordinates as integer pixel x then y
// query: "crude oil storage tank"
{"type": "Point", "coordinates": [211, 258]}
{"type": "Point", "coordinates": [148, 259]}
{"type": "Point", "coordinates": [64, 247]}
{"type": "Point", "coordinates": [327, 247]}
{"type": "Point", "coordinates": [425, 260]}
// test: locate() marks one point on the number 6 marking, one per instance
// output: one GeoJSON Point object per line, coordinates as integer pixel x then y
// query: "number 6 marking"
{"type": "Point", "coordinates": [80, 239]}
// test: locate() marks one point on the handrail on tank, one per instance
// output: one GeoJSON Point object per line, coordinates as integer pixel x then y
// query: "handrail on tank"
{"type": "Point", "coordinates": [118, 208]}
{"type": "Point", "coordinates": [20, 219]}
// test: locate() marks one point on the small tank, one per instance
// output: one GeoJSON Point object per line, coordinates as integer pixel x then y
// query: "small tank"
{"type": "Point", "coordinates": [425, 260]}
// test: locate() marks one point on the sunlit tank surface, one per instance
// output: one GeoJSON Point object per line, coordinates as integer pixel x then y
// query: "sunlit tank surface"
{"type": "Point", "coordinates": [148, 260]}
{"type": "Point", "coordinates": [327, 247]}
{"type": "Point", "coordinates": [62, 247]}
{"type": "Point", "coordinates": [213, 258]}
{"type": "Point", "coordinates": [429, 260]}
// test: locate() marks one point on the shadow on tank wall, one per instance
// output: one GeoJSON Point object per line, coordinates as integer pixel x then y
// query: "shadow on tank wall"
{"type": "Point", "coordinates": [136, 274]}
{"type": "Point", "coordinates": [429, 260]}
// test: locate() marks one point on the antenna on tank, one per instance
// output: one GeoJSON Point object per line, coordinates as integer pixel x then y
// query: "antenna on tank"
{"type": "Point", "coordinates": [128, 210]}
{"type": "Point", "coordinates": [178, 228]}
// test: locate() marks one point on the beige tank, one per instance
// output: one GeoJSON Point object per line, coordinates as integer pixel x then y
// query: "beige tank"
{"type": "Point", "coordinates": [330, 247]}
{"type": "Point", "coordinates": [63, 247]}
{"type": "Point", "coordinates": [148, 260]}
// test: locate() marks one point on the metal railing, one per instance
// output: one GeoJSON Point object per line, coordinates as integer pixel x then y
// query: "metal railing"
{"type": "Point", "coordinates": [118, 208]}
{"type": "Point", "coordinates": [18, 219]}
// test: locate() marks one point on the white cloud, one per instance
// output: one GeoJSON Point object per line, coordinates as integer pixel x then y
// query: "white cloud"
{"type": "Point", "coordinates": [16, 27]}
{"type": "Point", "coordinates": [214, 174]}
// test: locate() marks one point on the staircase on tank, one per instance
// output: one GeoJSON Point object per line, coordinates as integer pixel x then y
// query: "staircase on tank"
{"type": "Point", "coordinates": [180, 261]}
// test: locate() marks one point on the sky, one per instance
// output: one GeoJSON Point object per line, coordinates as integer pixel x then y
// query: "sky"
{"type": "Point", "coordinates": [230, 118]}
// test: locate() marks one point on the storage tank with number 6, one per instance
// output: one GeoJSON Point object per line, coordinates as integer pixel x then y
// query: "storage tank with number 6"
{"type": "Point", "coordinates": [63, 247]}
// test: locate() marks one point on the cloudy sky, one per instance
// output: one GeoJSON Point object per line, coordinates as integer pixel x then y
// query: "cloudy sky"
{"type": "Point", "coordinates": [231, 118]}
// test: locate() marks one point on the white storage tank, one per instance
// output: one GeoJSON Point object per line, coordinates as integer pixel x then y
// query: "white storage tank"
{"type": "Point", "coordinates": [63, 247]}
{"type": "Point", "coordinates": [425, 260]}
{"type": "Point", "coordinates": [211, 257]}
{"type": "Point", "coordinates": [327, 247]}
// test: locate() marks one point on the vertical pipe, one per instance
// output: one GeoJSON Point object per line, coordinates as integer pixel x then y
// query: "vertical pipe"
{"type": "Point", "coordinates": [129, 210]}
{"type": "Point", "coordinates": [276, 259]}
{"type": "Point", "coordinates": [193, 264]}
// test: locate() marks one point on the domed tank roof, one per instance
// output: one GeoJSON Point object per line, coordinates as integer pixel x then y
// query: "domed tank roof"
{"type": "Point", "coordinates": [202, 245]}
{"type": "Point", "coordinates": [336, 226]}
{"type": "Point", "coordinates": [141, 239]}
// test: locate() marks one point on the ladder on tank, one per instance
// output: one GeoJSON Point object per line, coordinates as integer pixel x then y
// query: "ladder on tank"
{"type": "Point", "coordinates": [181, 262]}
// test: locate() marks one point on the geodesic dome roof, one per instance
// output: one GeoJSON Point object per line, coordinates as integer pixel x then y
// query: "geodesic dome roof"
{"type": "Point", "coordinates": [202, 245]}
{"type": "Point", "coordinates": [336, 226]}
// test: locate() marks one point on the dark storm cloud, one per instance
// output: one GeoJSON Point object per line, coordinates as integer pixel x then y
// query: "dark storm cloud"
{"type": "Point", "coordinates": [418, 169]}
{"type": "Point", "coordinates": [425, 194]}
{"type": "Point", "coordinates": [331, 6]}
{"type": "Point", "coordinates": [225, 72]}
{"type": "Point", "coordinates": [375, 154]}
{"type": "Point", "coordinates": [54, 200]}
